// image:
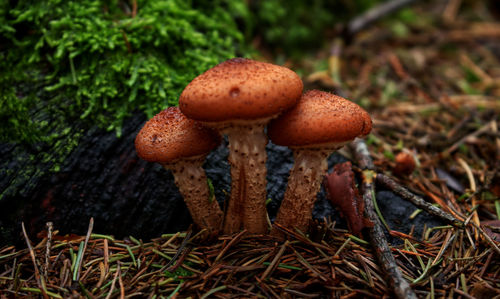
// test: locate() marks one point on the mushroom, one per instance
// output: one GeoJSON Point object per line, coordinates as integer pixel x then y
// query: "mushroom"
{"type": "Point", "coordinates": [181, 145]}
{"type": "Point", "coordinates": [318, 125]}
{"type": "Point", "coordinates": [238, 97]}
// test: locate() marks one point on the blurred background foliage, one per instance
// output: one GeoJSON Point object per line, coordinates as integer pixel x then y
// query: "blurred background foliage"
{"type": "Point", "coordinates": [290, 28]}
{"type": "Point", "coordinates": [97, 61]}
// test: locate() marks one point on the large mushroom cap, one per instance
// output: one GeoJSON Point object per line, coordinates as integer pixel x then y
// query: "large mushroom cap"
{"type": "Point", "coordinates": [170, 135]}
{"type": "Point", "coordinates": [320, 118]}
{"type": "Point", "coordinates": [240, 89]}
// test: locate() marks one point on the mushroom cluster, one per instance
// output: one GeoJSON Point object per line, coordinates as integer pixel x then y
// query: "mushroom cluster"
{"type": "Point", "coordinates": [239, 98]}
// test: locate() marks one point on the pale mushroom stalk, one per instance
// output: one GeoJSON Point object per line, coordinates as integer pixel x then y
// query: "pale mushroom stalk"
{"type": "Point", "coordinates": [303, 186]}
{"type": "Point", "coordinates": [191, 180]}
{"type": "Point", "coordinates": [247, 157]}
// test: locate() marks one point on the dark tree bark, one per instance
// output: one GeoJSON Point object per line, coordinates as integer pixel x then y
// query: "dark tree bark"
{"type": "Point", "coordinates": [101, 178]}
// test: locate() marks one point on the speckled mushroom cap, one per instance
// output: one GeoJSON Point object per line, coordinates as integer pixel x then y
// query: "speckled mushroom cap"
{"type": "Point", "coordinates": [320, 118]}
{"type": "Point", "coordinates": [240, 88]}
{"type": "Point", "coordinates": [170, 135]}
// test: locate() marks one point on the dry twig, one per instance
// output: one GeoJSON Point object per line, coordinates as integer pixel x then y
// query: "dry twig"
{"type": "Point", "coordinates": [401, 287]}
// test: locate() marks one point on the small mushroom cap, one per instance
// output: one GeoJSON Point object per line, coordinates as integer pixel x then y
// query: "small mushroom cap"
{"type": "Point", "coordinates": [320, 118]}
{"type": "Point", "coordinates": [240, 88]}
{"type": "Point", "coordinates": [170, 136]}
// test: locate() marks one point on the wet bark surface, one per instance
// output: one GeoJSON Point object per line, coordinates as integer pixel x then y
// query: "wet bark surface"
{"type": "Point", "coordinates": [103, 178]}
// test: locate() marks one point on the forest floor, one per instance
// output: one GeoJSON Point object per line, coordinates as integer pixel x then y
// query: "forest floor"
{"type": "Point", "coordinates": [434, 96]}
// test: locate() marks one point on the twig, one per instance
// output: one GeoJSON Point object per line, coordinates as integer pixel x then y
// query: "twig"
{"type": "Point", "coordinates": [114, 281]}
{"type": "Point", "coordinates": [493, 228]}
{"type": "Point", "coordinates": [180, 260]}
{"type": "Point", "coordinates": [470, 175]}
{"type": "Point", "coordinates": [462, 293]}
{"type": "Point", "coordinates": [473, 188]}
{"type": "Point", "coordinates": [387, 182]}
{"type": "Point", "coordinates": [400, 286]}
{"type": "Point", "coordinates": [231, 243]}
{"type": "Point", "coordinates": [361, 22]}
{"type": "Point", "coordinates": [446, 243]}
{"type": "Point", "coordinates": [106, 255]}
{"type": "Point", "coordinates": [363, 155]}
{"type": "Point", "coordinates": [494, 128]}
{"type": "Point", "coordinates": [275, 261]}
{"type": "Point", "coordinates": [301, 294]}
{"type": "Point", "coordinates": [134, 8]}
{"type": "Point", "coordinates": [477, 30]}
{"type": "Point", "coordinates": [127, 43]}
{"type": "Point", "coordinates": [397, 66]}
{"type": "Point", "coordinates": [39, 279]}
{"type": "Point", "coordinates": [485, 128]}
{"type": "Point", "coordinates": [45, 271]}
{"type": "Point", "coordinates": [120, 282]}
{"type": "Point", "coordinates": [488, 239]}
{"type": "Point", "coordinates": [451, 10]}
{"type": "Point", "coordinates": [487, 181]}
{"type": "Point", "coordinates": [180, 249]}
{"type": "Point", "coordinates": [213, 291]}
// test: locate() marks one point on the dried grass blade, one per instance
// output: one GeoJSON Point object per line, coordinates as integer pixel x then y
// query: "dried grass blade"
{"type": "Point", "coordinates": [448, 240]}
{"type": "Point", "coordinates": [306, 264]}
{"type": "Point", "coordinates": [39, 279]}
{"type": "Point", "coordinates": [180, 249]}
{"type": "Point", "coordinates": [78, 267]}
{"type": "Point", "coordinates": [274, 262]}
{"type": "Point", "coordinates": [113, 282]}
{"type": "Point", "coordinates": [231, 243]}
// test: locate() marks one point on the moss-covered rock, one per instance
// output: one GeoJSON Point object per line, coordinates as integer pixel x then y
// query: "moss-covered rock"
{"type": "Point", "coordinates": [99, 60]}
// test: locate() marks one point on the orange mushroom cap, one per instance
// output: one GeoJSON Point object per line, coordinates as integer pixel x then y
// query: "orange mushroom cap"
{"type": "Point", "coordinates": [170, 135]}
{"type": "Point", "coordinates": [240, 89]}
{"type": "Point", "coordinates": [320, 118]}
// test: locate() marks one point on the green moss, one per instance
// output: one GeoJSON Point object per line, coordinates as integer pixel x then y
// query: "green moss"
{"type": "Point", "coordinates": [93, 60]}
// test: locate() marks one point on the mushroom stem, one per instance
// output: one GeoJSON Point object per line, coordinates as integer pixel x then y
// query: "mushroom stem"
{"type": "Point", "coordinates": [304, 183]}
{"type": "Point", "coordinates": [247, 156]}
{"type": "Point", "coordinates": [191, 180]}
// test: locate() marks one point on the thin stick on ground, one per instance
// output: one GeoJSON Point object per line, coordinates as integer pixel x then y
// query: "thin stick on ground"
{"type": "Point", "coordinates": [114, 281]}
{"type": "Point", "coordinates": [485, 128]}
{"type": "Point", "coordinates": [120, 282]}
{"type": "Point", "coordinates": [486, 237]}
{"type": "Point", "coordinates": [180, 250]}
{"type": "Point", "coordinates": [45, 271]}
{"type": "Point", "coordinates": [39, 279]}
{"type": "Point", "coordinates": [401, 287]}
{"type": "Point", "coordinates": [418, 201]}
{"type": "Point", "coordinates": [361, 22]}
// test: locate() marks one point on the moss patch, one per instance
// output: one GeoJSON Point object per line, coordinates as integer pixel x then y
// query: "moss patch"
{"type": "Point", "coordinates": [99, 60]}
